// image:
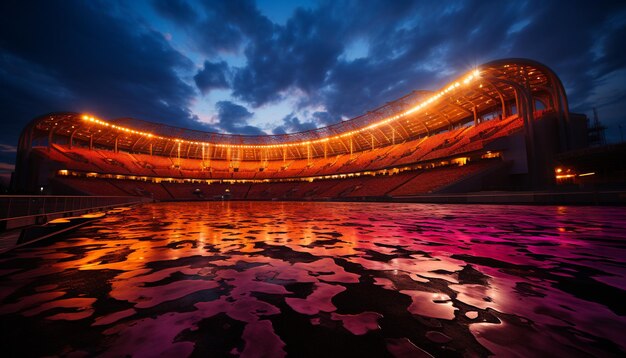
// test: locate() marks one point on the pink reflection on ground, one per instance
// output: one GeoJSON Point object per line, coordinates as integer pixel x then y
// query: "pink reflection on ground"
{"type": "Point", "coordinates": [402, 279]}
{"type": "Point", "coordinates": [82, 306]}
{"type": "Point", "coordinates": [428, 304]}
{"type": "Point", "coordinates": [318, 301]}
{"type": "Point", "coordinates": [358, 324]}
{"type": "Point", "coordinates": [261, 341]}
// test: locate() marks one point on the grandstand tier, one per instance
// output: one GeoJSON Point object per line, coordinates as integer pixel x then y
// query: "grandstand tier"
{"type": "Point", "coordinates": [416, 144]}
{"type": "Point", "coordinates": [359, 187]}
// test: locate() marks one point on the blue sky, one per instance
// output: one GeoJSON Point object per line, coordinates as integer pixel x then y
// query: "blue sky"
{"type": "Point", "coordinates": [284, 66]}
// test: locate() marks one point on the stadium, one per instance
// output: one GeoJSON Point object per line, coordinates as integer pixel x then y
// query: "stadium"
{"type": "Point", "coordinates": [498, 127]}
{"type": "Point", "coordinates": [134, 238]}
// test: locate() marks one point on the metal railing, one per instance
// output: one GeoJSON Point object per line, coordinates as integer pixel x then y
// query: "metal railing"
{"type": "Point", "coordinates": [22, 206]}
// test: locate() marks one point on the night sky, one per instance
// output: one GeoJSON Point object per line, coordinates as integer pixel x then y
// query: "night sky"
{"type": "Point", "coordinates": [284, 66]}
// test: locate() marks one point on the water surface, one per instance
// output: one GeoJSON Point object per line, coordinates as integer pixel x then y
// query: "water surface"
{"type": "Point", "coordinates": [323, 279]}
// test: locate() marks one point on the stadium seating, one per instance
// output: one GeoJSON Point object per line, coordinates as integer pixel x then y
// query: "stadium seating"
{"type": "Point", "coordinates": [403, 184]}
{"type": "Point", "coordinates": [421, 150]}
{"type": "Point", "coordinates": [379, 186]}
{"type": "Point", "coordinates": [434, 179]}
{"type": "Point", "coordinates": [284, 175]}
{"type": "Point", "coordinates": [69, 159]}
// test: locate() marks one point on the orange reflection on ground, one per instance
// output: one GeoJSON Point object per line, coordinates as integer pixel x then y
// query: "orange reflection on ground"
{"type": "Point", "coordinates": [278, 277]}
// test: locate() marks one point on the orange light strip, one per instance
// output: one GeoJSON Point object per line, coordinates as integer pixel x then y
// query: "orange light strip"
{"type": "Point", "coordinates": [473, 76]}
{"type": "Point", "coordinates": [120, 128]}
{"type": "Point", "coordinates": [564, 176]}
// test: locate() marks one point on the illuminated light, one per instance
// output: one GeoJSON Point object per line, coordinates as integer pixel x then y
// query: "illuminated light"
{"type": "Point", "coordinates": [564, 176]}
{"type": "Point", "coordinates": [472, 76]}
{"type": "Point", "coordinates": [587, 174]}
{"type": "Point", "coordinates": [85, 117]}
{"type": "Point", "coordinates": [558, 170]}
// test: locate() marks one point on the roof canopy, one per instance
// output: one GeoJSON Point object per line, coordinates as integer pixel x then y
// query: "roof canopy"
{"type": "Point", "coordinates": [493, 87]}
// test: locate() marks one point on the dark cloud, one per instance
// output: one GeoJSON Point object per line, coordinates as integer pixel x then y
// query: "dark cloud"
{"type": "Point", "coordinates": [297, 55]}
{"type": "Point", "coordinates": [94, 60]}
{"type": "Point", "coordinates": [233, 118]}
{"type": "Point", "coordinates": [242, 15]}
{"type": "Point", "coordinates": [292, 124]}
{"type": "Point", "coordinates": [212, 76]}
{"type": "Point", "coordinates": [613, 50]}
{"type": "Point", "coordinates": [179, 11]}
{"type": "Point", "coordinates": [217, 26]}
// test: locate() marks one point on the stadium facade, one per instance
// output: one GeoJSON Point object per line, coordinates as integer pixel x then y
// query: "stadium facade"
{"type": "Point", "coordinates": [499, 126]}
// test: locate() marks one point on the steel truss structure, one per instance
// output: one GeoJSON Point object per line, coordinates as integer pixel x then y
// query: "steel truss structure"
{"type": "Point", "coordinates": [497, 88]}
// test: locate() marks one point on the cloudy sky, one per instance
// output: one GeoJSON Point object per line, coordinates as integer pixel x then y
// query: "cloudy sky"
{"type": "Point", "coordinates": [277, 66]}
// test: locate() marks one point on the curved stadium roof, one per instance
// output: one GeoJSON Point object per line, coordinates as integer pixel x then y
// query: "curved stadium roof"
{"type": "Point", "coordinates": [489, 88]}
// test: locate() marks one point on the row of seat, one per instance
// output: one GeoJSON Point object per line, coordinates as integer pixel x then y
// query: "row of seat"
{"type": "Point", "coordinates": [427, 149]}
{"type": "Point", "coordinates": [398, 185]}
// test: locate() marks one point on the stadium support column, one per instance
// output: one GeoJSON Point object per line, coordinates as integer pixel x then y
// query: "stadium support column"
{"type": "Point", "coordinates": [524, 109]}
{"type": "Point", "coordinates": [150, 148]}
{"type": "Point", "coordinates": [475, 115]}
{"type": "Point", "coordinates": [50, 138]}
{"type": "Point", "coordinates": [351, 149]}
{"type": "Point", "coordinates": [72, 138]}
{"type": "Point", "coordinates": [505, 113]}
{"type": "Point", "coordinates": [208, 155]}
{"type": "Point", "coordinates": [91, 142]}
{"type": "Point", "coordinates": [229, 156]}
{"type": "Point", "coordinates": [523, 98]}
{"type": "Point", "coordinates": [503, 103]}
{"type": "Point", "coordinates": [325, 149]}
{"type": "Point", "coordinates": [308, 154]}
{"type": "Point", "coordinates": [561, 107]}
{"type": "Point", "coordinates": [178, 155]}
{"type": "Point", "coordinates": [115, 149]}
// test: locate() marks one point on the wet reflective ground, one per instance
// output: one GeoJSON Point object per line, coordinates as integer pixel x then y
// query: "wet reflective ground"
{"type": "Point", "coordinates": [265, 279]}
